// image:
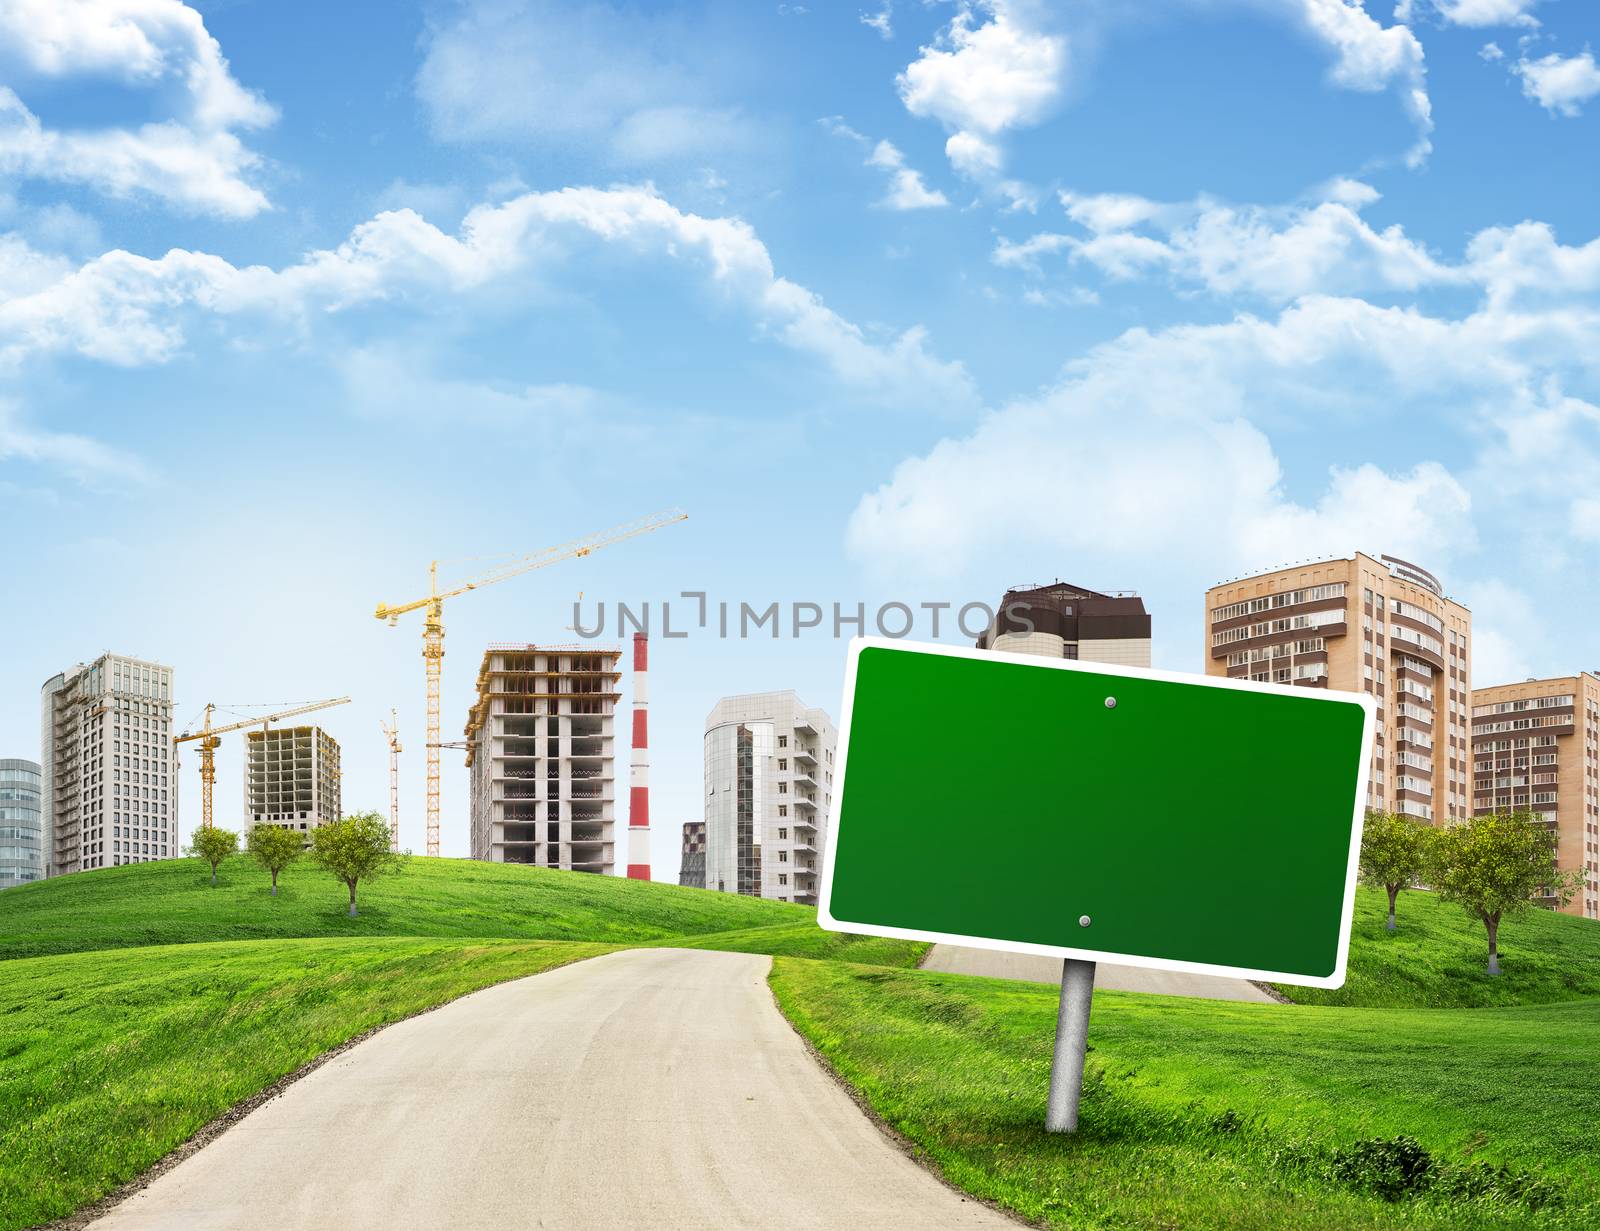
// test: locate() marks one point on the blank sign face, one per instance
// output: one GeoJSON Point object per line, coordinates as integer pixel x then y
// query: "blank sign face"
{"type": "Point", "coordinates": [1141, 817]}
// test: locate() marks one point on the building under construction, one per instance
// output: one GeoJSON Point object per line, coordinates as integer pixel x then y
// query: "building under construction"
{"type": "Point", "coordinates": [291, 778]}
{"type": "Point", "coordinates": [541, 747]}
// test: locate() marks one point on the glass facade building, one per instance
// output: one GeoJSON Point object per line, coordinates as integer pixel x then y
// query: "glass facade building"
{"type": "Point", "coordinates": [21, 822]}
{"type": "Point", "coordinates": [769, 779]}
{"type": "Point", "coordinates": [736, 763]}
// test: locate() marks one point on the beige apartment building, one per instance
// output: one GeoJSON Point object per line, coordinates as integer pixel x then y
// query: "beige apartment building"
{"type": "Point", "coordinates": [291, 778]}
{"type": "Point", "coordinates": [1378, 625]}
{"type": "Point", "coordinates": [541, 748]}
{"type": "Point", "coordinates": [1536, 747]}
{"type": "Point", "coordinates": [109, 789]}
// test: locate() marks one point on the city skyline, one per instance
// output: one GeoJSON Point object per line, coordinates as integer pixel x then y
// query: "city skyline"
{"type": "Point", "coordinates": [914, 309]}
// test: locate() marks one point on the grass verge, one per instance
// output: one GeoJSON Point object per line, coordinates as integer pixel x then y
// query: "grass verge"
{"type": "Point", "coordinates": [1214, 1114]}
{"type": "Point", "coordinates": [110, 1060]}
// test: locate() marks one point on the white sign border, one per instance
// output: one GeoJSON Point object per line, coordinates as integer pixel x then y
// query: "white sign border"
{"type": "Point", "coordinates": [825, 916]}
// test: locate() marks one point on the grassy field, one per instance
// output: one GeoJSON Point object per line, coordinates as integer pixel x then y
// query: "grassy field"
{"type": "Point", "coordinates": [1437, 958]}
{"type": "Point", "coordinates": [171, 902]}
{"type": "Point", "coordinates": [110, 1060]}
{"type": "Point", "coordinates": [138, 1003]}
{"type": "Point", "coordinates": [1212, 1114]}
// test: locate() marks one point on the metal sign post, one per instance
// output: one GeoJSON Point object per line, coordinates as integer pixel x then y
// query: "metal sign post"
{"type": "Point", "coordinates": [1072, 1042]}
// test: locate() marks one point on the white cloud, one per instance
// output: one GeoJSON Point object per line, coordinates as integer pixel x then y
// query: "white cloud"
{"type": "Point", "coordinates": [1164, 446]}
{"type": "Point", "coordinates": [1321, 246]}
{"type": "Point", "coordinates": [193, 160]}
{"type": "Point", "coordinates": [1373, 57]}
{"type": "Point", "coordinates": [882, 21]}
{"type": "Point", "coordinates": [1001, 65]}
{"type": "Point", "coordinates": [127, 309]}
{"type": "Point", "coordinates": [1278, 254]}
{"type": "Point", "coordinates": [906, 187]}
{"type": "Point", "coordinates": [86, 460]}
{"type": "Point", "coordinates": [627, 83]}
{"type": "Point", "coordinates": [1560, 84]}
{"type": "Point", "coordinates": [973, 156]}
{"type": "Point", "coordinates": [1491, 52]}
{"type": "Point", "coordinates": [1505, 623]}
{"type": "Point", "coordinates": [1476, 13]}
{"type": "Point", "coordinates": [981, 79]}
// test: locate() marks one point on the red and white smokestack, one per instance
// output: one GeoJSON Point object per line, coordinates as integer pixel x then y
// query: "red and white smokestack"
{"type": "Point", "coordinates": [639, 773]}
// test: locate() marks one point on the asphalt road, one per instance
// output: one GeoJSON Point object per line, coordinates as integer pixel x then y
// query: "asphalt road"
{"type": "Point", "coordinates": [959, 960]}
{"type": "Point", "coordinates": [651, 1088]}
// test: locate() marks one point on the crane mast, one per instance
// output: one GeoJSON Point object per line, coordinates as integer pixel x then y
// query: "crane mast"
{"type": "Point", "coordinates": [432, 606]}
{"type": "Point", "coordinates": [391, 731]}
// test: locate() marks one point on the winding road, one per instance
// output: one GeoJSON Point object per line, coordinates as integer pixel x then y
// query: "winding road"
{"type": "Point", "coordinates": [650, 1088]}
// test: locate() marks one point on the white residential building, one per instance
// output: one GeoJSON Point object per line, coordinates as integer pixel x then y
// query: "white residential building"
{"type": "Point", "coordinates": [110, 788]}
{"type": "Point", "coordinates": [291, 778]}
{"type": "Point", "coordinates": [541, 747]}
{"type": "Point", "coordinates": [769, 782]}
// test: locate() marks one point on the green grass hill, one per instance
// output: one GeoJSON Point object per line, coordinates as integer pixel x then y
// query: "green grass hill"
{"type": "Point", "coordinates": [1436, 958]}
{"type": "Point", "coordinates": [172, 902]}
{"type": "Point", "coordinates": [139, 1003]}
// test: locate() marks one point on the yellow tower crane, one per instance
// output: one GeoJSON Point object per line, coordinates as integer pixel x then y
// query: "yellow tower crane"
{"type": "Point", "coordinates": [433, 623]}
{"type": "Point", "coordinates": [209, 742]}
{"type": "Point", "coordinates": [391, 734]}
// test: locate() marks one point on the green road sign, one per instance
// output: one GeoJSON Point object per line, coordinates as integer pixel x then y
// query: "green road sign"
{"type": "Point", "coordinates": [1098, 813]}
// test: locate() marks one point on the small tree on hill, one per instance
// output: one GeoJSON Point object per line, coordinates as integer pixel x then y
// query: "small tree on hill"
{"type": "Point", "coordinates": [274, 848]}
{"type": "Point", "coordinates": [355, 849]}
{"type": "Point", "coordinates": [213, 845]}
{"type": "Point", "coordinates": [1393, 853]}
{"type": "Point", "coordinates": [1497, 865]}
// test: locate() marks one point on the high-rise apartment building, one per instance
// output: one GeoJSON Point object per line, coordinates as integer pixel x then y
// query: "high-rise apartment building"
{"type": "Point", "coordinates": [692, 861]}
{"type": "Point", "coordinates": [1066, 621]}
{"type": "Point", "coordinates": [21, 822]}
{"type": "Point", "coordinates": [1536, 748]}
{"type": "Point", "coordinates": [110, 782]}
{"type": "Point", "coordinates": [1364, 624]}
{"type": "Point", "coordinates": [769, 782]}
{"type": "Point", "coordinates": [541, 747]}
{"type": "Point", "coordinates": [291, 778]}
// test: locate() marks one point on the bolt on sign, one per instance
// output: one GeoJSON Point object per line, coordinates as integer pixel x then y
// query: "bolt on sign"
{"type": "Point", "coordinates": [1096, 813]}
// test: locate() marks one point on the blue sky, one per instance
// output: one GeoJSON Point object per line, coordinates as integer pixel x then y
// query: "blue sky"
{"type": "Point", "coordinates": [904, 301]}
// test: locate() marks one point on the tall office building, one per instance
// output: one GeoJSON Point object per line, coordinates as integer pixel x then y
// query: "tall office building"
{"type": "Point", "coordinates": [291, 778]}
{"type": "Point", "coordinates": [1536, 747]}
{"type": "Point", "coordinates": [769, 781]}
{"type": "Point", "coordinates": [1364, 624]}
{"type": "Point", "coordinates": [21, 823]}
{"type": "Point", "coordinates": [1066, 621]}
{"type": "Point", "coordinates": [692, 861]}
{"type": "Point", "coordinates": [541, 747]}
{"type": "Point", "coordinates": [109, 767]}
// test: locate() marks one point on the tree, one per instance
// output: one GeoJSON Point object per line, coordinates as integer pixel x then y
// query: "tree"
{"type": "Point", "coordinates": [213, 845]}
{"type": "Point", "coordinates": [274, 848]}
{"type": "Point", "coordinates": [1496, 865]}
{"type": "Point", "coordinates": [355, 849]}
{"type": "Point", "coordinates": [1393, 853]}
